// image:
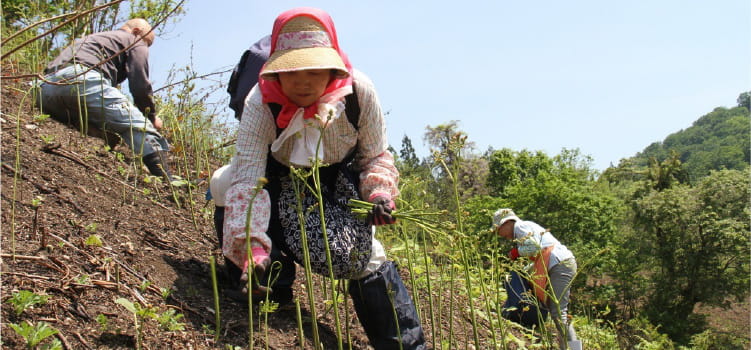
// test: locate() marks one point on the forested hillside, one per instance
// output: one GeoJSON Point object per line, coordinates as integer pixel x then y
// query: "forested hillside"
{"type": "Point", "coordinates": [717, 140]}
{"type": "Point", "coordinates": [98, 254]}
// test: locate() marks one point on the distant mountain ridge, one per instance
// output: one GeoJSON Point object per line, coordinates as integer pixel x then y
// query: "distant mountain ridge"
{"type": "Point", "coordinates": [720, 139]}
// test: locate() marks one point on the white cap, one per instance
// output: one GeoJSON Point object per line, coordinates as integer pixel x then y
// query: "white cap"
{"type": "Point", "coordinates": [502, 215]}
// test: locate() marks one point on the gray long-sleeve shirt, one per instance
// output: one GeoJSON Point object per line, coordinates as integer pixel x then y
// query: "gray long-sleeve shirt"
{"type": "Point", "coordinates": [132, 64]}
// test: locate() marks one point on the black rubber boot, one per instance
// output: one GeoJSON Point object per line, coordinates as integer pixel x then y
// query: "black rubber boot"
{"type": "Point", "coordinates": [386, 310]}
{"type": "Point", "coordinates": [157, 164]}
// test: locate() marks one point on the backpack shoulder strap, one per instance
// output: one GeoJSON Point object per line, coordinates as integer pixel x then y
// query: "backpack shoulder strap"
{"type": "Point", "coordinates": [352, 108]}
{"type": "Point", "coordinates": [275, 109]}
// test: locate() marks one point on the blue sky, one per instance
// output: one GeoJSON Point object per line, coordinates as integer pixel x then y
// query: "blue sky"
{"type": "Point", "coordinates": [606, 77]}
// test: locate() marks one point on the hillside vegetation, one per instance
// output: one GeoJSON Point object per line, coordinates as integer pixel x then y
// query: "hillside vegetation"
{"type": "Point", "coordinates": [96, 254]}
{"type": "Point", "coordinates": [717, 140]}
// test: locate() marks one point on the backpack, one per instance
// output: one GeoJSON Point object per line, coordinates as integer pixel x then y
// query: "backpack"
{"type": "Point", "coordinates": [245, 76]}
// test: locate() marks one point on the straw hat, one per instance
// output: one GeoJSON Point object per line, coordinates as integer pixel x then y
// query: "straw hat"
{"type": "Point", "coordinates": [502, 215]}
{"type": "Point", "coordinates": [303, 43]}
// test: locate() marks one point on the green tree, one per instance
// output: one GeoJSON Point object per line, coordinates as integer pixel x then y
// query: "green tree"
{"type": "Point", "coordinates": [508, 167]}
{"type": "Point", "coordinates": [664, 175]}
{"type": "Point", "coordinates": [407, 156]}
{"type": "Point", "coordinates": [444, 140]}
{"type": "Point", "coordinates": [450, 151]}
{"type": "Point", "coordinates": [744, 100]}
{"type": "Point", "coordinates": [717, 140]}
{"type": "Point", "coordinates": [560, 193]}
{"type": "Point", "coordinates": [699, 240]}
{"type": "Point", "coordinates": [472, 177]}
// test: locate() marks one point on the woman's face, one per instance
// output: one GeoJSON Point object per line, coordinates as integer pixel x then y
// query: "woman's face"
{"type": "Point", "coordinates": [305, 87]}
{"type": "Point", "coordinates": [506, 230]}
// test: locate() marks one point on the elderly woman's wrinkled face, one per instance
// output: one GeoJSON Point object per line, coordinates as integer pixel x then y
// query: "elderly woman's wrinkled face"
{"type": "Point", "coordinates": [305, 87]}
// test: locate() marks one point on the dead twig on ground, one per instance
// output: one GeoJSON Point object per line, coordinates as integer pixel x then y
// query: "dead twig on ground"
{"type": "Point", "coordinates": [82, 340]}
{"type": "Point", "coordinates": [64, 340]}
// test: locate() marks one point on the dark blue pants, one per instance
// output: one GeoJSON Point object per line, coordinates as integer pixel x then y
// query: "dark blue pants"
{"type": "Point", "coordinates": [386, 310]}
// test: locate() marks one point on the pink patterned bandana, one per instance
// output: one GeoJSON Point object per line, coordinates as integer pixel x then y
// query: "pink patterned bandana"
{"type": "Point", "coordinates": [271, 90]}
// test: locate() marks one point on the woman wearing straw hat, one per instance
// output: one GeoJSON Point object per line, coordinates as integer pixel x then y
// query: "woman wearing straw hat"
{"type": "Point", "coordinates": [298, 102]}
{"type": "Point", "coordinates": [554, 265]}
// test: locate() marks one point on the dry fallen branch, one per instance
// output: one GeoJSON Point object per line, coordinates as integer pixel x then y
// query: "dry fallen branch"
{"type": "Point", "coordinates": [64, 340]}
{"type": "Point", "coordinates": [82, 340]}
{"type": "Point", "coordinates": [26, 275]}
{"type": "Point", "coordinates": [23, 257]}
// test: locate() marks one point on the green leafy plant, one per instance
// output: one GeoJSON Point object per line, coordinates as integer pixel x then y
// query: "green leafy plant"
{"type": "Point", "coordinates": [83, 279]}
{"type": "Point", "coordinates": [144, 285]}
{"type": "Point", "coordinates": [40, 118]}
{"type": "Point", "coordinates": [103, 322]}
{"type": "Point", "coordinates": [139, 315]}
{"type": "Point", "coordinates": [47, 138]}
{"type": "Point", "coordinates": [37, 201]}
{"type": "Point", "coordinates": [170, 321]}
{"type": "Point", "coordinates": [93, 240]}
{"type": "Point", "coordinates": [34, 334]}
{"type": "Point", "coordinates": [25, 299]}
{"type": "Point", "coordinates": [165, 292]}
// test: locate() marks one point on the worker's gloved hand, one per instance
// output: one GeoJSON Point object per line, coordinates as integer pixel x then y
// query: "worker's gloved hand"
{"type": "Point", "coordinates": [381, 212]}
{"type": "Point", "coordinates": [259, 270]}
{"type": "Point", "coordinates": [513, 254]}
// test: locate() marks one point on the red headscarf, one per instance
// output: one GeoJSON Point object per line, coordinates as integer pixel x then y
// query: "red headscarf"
{"type": "Point", "coordinates": [271, 90]}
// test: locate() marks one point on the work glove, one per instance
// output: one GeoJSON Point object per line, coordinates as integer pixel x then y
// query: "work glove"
{"type": "Point", "coordinates": [513, 254]}
{"type": "Point", "coordinates": [259, 270]}
{"type": "Point", "coordinates": [381, 212]}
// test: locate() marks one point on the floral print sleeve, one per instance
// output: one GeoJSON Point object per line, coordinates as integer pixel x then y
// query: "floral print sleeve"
{"type": "Point", "coordinates": [239, 197]}
{"type": "Point", "coordinates": [254, 135]}
{"type": "Point", "coordinates": [378, 175]}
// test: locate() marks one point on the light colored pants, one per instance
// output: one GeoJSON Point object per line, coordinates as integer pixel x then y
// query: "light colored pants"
{"type": "Point", "coordinates": [91, 99]}
{"type": "Point", "coordinates": [220, 183]}
{"type": "Point", "coordinates": [561, 276]}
